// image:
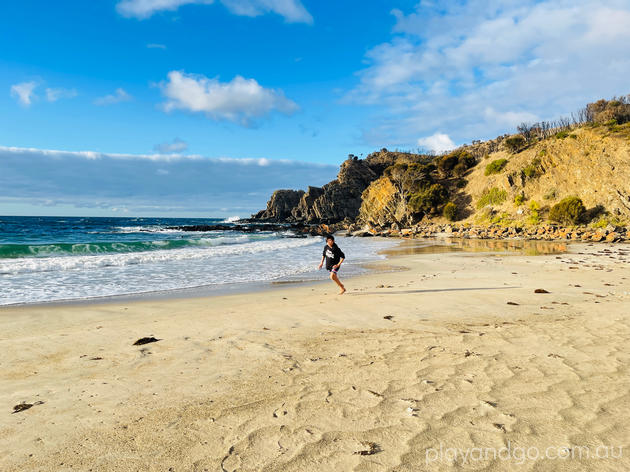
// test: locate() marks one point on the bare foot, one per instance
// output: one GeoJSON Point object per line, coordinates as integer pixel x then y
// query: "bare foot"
{"type": "Point", "coordinates": [343, 290]}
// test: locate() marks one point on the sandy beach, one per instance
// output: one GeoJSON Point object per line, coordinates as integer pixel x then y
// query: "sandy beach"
{"type": "Point", "coordinates": [452, 362]}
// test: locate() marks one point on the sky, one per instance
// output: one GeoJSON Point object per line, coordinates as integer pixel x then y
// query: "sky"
{"type": "Point", "coordinates": [204, 107]}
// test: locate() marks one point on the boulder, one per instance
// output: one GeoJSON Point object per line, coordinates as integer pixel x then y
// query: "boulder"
{"type": "Point", "coordinates": [362, 233]}
{"type": "Point", "coordinates": [612, 237]}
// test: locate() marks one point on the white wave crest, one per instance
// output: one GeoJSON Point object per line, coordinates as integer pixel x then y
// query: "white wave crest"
{"type": "Point", "coordinates": [67, 263]}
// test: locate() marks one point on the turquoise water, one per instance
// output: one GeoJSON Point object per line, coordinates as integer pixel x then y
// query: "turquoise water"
{"type": "Point", "coordinates": [48, 258]}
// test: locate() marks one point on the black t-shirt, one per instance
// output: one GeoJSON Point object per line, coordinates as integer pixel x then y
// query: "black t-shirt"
{"type": "Point", "coordinates": [333, 255]}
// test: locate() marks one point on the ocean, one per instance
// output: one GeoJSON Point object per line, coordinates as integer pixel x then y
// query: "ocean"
{"type": "Point", "coordinates": [44, 259]}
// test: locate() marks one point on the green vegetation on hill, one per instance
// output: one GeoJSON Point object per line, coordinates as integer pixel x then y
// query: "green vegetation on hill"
{"type": "Point", "coordinates": [450, 211]}
{"type": "Point", "coordinates": [533, 169]}
{"type": "Point", "coordinates": [496, 166]}
{"type": "Point", "coordinates": [515, 143]}
{"type": "Point", "coordinates": [492, 196]}
{"type": "Point", "coordinates": [456, 163]}
{"type": "Point", "coordinates": [429, 199]}
{"type": "Point", "coordinates": [570, 211]}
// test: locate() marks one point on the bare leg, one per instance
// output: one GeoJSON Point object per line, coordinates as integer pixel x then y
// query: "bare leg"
{"type": "Point", "coordinates": [334, 277]}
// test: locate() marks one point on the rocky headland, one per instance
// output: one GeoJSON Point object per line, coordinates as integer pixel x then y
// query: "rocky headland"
{"type": "Point", "coordinates": [562, 180]}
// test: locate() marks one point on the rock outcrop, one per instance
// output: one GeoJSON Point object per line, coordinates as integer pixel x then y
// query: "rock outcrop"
{"type": "Point", "coordinates": [381, 205]}
{"type": "Point", "coordinates": [280, 205]}
{"type": "Point", "coordinates": [336, 201]}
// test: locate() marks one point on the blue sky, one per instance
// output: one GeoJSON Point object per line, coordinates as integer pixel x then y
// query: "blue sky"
{"type": "Point", "coordinates": [159, 81]}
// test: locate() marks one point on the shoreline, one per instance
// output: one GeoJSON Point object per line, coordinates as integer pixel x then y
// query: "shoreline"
{"type": "Point", "coordinates": [300, 379]}
{"type": "Point", "coordinates": [246, 268]}
{"type": "Point", "coordinates": [205, 291]}
{"type": "Point", "coordinates": [403, 246]}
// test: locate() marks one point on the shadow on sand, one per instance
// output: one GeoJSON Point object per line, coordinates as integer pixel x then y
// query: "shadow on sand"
{"type": "Point", "coordinates": [429, 290]}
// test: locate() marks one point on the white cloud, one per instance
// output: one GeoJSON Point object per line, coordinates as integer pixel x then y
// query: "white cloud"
{"type": "Point", "coordinates": [291, 10]}
{"type": "Point", "coordinates": [476, 68]}
{"type": "Point", "coordinates": [24, 92]}
{"type": "Point", "coordinates": [176, 146]}
{"type": "Point", "coordinates": [239, 100]}
{"type": "Point", "coordinates": [145, 8]}
{"type": "Point", "coordinates": [54, 94]}
{"type": "Point", "coordinates": [508, 118]}
{"type": "Point", "coordinates": [149, 184]}
{"type": "Point", "coordinates": [118, 96]}
{"type": "Point", "coordinates": [439, 142]}
{"type": "Point", "coordinates": [156, 46]}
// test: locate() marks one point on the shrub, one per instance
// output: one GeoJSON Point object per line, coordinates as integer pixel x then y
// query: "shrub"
{"type": "Point", "coordinates": [515, 143]}
{"type": "Point", "coordinates": [612, 125]}
{"type": "Point", "coordinates": [562, 134]}
{"type": "Point", "coordinates": [460, 169]}
{"type": "Point", "coordinates": [496, 166]}
{"type": "Point", "coordinates": [447, 163]}
{"type": "Point", "coordinates": [533, 169]}
{"type": "Point", "coordinates": [493, 196]}
{"type": "Point", "coordinates": [457, 161]}
{"type": "Point", "coordinates": [429, 199]}
{"type": "Point", "coordinates": [534, 213]}
{"type": "Point", "coordinates": [503, 219]}
{"type": "Point", "coordinates": [408, 177]}
{"type": "Point", "coordinates": [603, 111]}
{"type": "Point", "coordinates": [608, 219]}
{"type": "Point", "coordinates": [519, 199]}
{"type": "Point", "coordinates": [461, 183]}
{"type": "Point", "coordinates": [450, 211]}
{"type": "Point", "coordinates": [569, 210]}
{"type": "Point", "coordinates": [466, 159]}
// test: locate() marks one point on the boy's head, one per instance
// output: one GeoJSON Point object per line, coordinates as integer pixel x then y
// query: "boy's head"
{"type": "Point", "coordinates": [330, 240]}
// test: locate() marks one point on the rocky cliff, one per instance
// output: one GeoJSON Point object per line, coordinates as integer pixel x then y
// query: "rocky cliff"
{"type": "Point", "coordinates": [336, 201]}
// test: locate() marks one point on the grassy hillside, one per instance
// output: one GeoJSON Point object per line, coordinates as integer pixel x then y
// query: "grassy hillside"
{"type": "Point", "coordinates": [591, 163]}
{"type": "Point", "coordinates": [570, 172]}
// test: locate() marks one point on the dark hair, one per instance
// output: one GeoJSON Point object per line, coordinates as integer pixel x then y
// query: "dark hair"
{"type": "Point", "coordinates": [330, 236]}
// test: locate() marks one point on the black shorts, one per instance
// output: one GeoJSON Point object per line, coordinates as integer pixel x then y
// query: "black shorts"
{"type": "Point", "coordinates": [333, 270]}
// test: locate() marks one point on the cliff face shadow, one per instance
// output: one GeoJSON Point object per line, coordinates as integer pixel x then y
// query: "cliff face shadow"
{"type": "Point", "coordinates": [463, 202]}
{"type": "Point", "coordinates": [433, 290]}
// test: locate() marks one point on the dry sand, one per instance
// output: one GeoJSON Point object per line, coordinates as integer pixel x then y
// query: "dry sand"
{"type": "Point", "coordinates": [300, 379]}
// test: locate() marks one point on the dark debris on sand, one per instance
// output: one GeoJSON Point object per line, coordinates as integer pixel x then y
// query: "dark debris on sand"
{"type": "Point", "coordinates": [25, 406]}
{"type": "Point", "coordinates": [372, 448]}
{"type": "Point", "coordinates": [147, 340]}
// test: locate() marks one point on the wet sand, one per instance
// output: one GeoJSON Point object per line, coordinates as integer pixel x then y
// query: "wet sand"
{"type": "Point", "coordinates": [413, 369]}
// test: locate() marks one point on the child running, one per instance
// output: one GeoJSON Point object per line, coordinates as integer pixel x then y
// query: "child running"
{"type": "Point", "coordinates": [334, 257]}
